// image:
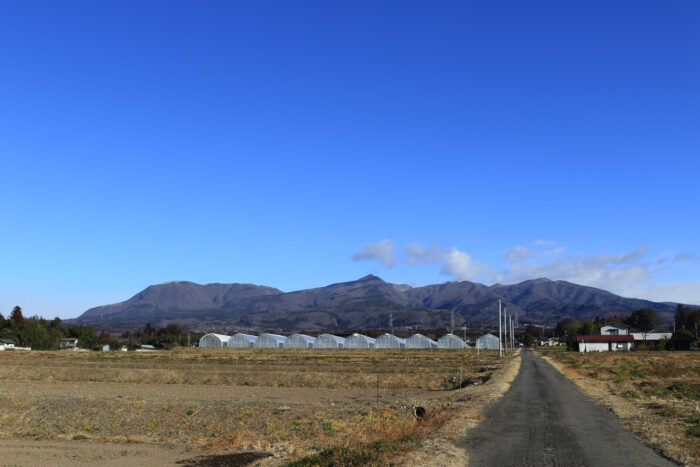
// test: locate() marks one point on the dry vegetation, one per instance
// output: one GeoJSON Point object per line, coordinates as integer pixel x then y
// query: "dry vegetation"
{"type": "Point", "coordinates": [333, 405]}
{"type": "Point", "coordinates": [655, 394]}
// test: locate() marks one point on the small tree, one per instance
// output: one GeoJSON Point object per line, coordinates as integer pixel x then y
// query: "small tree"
{"type": "Point", "coordinates": [643, 319]}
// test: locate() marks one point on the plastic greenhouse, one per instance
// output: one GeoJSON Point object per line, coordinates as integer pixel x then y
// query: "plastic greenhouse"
{"type": "Point", "coordinates": [329, 341]}
{"type": "Point", "coordinates": [299, 341]}
{"type": "Point", "coordinates": [487, 341]}
{"type": "Point", "coordinates": [419, 341]}
{"type": "Point", "coordinates": [389, 341]}
{"type": "Point", "coordinates": [270, 341]}
{"type": "Point", "coordinates": [359, 341]}
{"type": "Point", "coordinates": [242, 341]}
{"type": "Point", "coordinates": [450, 341]}
{"type": "Point", "coordinates": [214, 341]}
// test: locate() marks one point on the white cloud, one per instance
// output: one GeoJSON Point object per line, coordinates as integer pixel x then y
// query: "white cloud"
{"type": "Point", "coordinates": [382, 251]}
{"type": "Point", "coordinates": [517, 253]}
{"type": "Point", "coordinates": [545, 243]}
{"type": "Point", "coordinates": [455, 263]}
{"type": "Point", "coordinates": [682, 292]}
{"type": "Point", "coordinates": [685, 257]}
{"type": "Point", "coordinates": [607, 271]}
{"type": "Point", "coordinates": [415, 253]}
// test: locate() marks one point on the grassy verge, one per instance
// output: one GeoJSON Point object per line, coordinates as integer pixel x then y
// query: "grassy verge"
{"type": "Point", "coordinates": [656, 394]}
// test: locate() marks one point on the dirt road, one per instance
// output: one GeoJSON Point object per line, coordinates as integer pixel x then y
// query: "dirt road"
{"type": "Point", "coordinates": [544, 420]}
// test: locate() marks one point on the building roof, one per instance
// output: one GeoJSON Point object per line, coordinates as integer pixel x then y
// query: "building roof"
{"type": "Point", "coordinates": [7, 341]}
{"type": "Point", "coordinates": [605, 338]}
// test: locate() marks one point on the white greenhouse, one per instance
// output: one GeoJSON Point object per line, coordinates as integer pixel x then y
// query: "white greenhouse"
{"type": "Point", "coordinates": [359, 341]}
{"type": "Point", "coordinates": [419, 341]}
{"type": "Point", "coordinates": [242, 341]}
{"type": "Point", "coordinates": [450, 341]}
{"type": "Point", "coordinates": [389, 341]}
{"type": "Point", "coordinates": [214, 341]}
{"type": "Point", "coordinates": [329, 341]}
{"type": "Point", "coordinates": [299, 341]}
{"type": "Point", "coordinates": [487, 341]}
{"type": "Point", "coordinates": [270, 341]}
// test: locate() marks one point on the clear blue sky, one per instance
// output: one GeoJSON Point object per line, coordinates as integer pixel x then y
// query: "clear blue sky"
{"type": "Point", "coordinates": [296, 144]}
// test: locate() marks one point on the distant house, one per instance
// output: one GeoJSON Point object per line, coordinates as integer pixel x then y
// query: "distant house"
{"type": "Point", "coordinates": [70, 343]}
{"type": "Point", "coordinates": [551, 342]}
{"type": "Point", "coordinates": [105, 348]}
{"type": "Point", "coordinates": [615, 330]}
{"type": "Point", "coordinates": [605, 343]}
{"type": "Point", "coordinates": [7, 344]}
{"type": "Point", "coordinates": [147, 347]}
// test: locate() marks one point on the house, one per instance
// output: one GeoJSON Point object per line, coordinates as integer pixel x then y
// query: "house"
{"type": "Point", "coordinates": [7, 344]}
{"type": "Point", "coordinates": [605, 343]}
{"type": "Point", "coordinates": [551, 342]}
{"type": "Point", "coordinates": [70, 343]}
{"type": "Point", "coordinates": [105, 348]}
{"type": "Point", "coordinates": [615, 330]}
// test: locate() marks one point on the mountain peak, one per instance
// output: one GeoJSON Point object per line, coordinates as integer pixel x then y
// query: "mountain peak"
{"type": "Point", "coordinates": [370, 278]}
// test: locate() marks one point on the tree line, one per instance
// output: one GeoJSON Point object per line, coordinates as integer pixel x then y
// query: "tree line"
{"type": "Point", "coordinates": [41, 334]}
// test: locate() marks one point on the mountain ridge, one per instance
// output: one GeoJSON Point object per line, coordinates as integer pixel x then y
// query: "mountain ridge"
{"type": "Point", "coordinates": [366, 303]}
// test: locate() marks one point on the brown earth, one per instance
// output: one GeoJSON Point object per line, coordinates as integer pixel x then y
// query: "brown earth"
{"type": "Point", "coordinates": [114, 408]}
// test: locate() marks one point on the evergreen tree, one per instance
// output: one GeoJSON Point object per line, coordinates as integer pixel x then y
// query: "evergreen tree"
{"type": "Point", "coordinates": [16, 318]}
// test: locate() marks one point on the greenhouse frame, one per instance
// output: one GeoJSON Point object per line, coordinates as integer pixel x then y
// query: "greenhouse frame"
{"type": "Point", "coordinates": [214, 341]}
{"type": "Point", "coordinates": [329, 341]}
{"type": "Point", "coordinates": [359, 341]}
{"type": "Point", "coordinates": [270, 341]}
{"type": "Point", "coordinates": [242, 341]}
{"type": "Point", "coordinates": [450, 341]}
{"type": "Point", "coordinates": [488, 341]}
{"type": "Point", "coordinates": [299, 341]}
{"type": "Point", "coordinates": [419, 341]}
{"type": "Point", "coordinates": [390, 341]}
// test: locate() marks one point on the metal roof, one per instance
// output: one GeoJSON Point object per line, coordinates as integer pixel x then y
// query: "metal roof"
{"type": "Point", "coordinates": [604, 338]}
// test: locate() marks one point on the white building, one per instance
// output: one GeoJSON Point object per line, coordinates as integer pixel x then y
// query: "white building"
{"type": "Point", "coordinates": [214, 341]}
{"type": "Point", "coordinates": [69, 343]}
{"type": "Point", "coordinates": [653, 336]}
{"type": "Point", "coordinates": [7, 344]}
{"type": "Point", "coordinates": [419, 341]}
{"type": "Point", "coordinates": [242, 341]}
{"type": "Point", "coordinates": [450, 341]}
{"type": "Point", "coordinates": [389, 341]}
{"type": "Point", "coordinates": [487, 342]}
{"type": "Point", "coordinates": [299, 341]}
{"type": "Point", "coordinates": [359, 341]}
{"type": "Point", "coordinates": [614, 330]}
{"type": "Point", "coordinates": [270, 341]}
{"type": "Point", "coordinates": [601, 343]}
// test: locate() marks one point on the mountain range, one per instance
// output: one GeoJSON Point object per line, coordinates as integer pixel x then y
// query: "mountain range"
{"type": "Point", "coordinates": [366, 303]}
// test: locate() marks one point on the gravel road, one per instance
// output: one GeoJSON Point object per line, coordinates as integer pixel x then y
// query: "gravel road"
{"type": "Point", "coordinates": [544, 420]}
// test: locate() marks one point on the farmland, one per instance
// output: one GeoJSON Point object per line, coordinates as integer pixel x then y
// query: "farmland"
{"type": "Point", "coordinates": [284, 403]}
{"type": "Point", "coordinates": [655, 394]}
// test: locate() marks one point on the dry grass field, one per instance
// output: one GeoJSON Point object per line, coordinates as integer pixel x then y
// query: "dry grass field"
{"type": "Point", "coordinates": [655, 394]}
{"type": "Point", "coordinates": [333, 405]}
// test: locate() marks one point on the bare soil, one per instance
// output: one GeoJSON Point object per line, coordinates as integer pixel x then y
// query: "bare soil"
{"type": "Point", "coordinates": [78, 408]}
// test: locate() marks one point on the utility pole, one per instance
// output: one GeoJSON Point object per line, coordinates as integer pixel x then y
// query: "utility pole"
{"type": "Point", "coordinates": [500, 347]}
{"type": "Point", "coordinates": [512, 335]}
{"type": "Point", "coordinates": [452, 322]}
{"type": "Point", "coordinates": [505, 327]}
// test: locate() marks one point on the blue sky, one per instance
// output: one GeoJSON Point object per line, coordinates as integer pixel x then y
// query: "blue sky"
{"type": "Point", "coordinates": [296, 144]}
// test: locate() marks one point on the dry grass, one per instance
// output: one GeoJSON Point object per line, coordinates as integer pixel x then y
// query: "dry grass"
{"type": "Point", "coordinates": [234, 400]}
{"type": "Point", "coordinates": [655, 394]}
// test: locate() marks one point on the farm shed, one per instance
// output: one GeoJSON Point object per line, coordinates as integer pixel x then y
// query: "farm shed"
{"type": "Point", "coordinates": [389, 341]}
{"type": "Point", "coordinates": [242, 341]}
{"type": "Point", "coordinates": [359, 341]}
{"type": "Point", "coordinates": [419, 341]}
{"type": "Point", "coordinates": [270, 341]}
{"type": "Point", "coordinates": [329, 341]}
{"type": "Point", "coordinates": [214, 341]}
{"type": "Point", "coordinates": [450, 341]}
{"type": "Point", "coordinates": [488, 341]}
{"type": "Point", "coordinates": [609, 343]}
{"type": "Point", "coordinates": [299, 341]}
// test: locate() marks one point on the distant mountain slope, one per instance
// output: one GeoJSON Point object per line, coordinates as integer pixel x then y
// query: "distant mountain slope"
{"type": "Point", "coordinates": [368, 303]}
